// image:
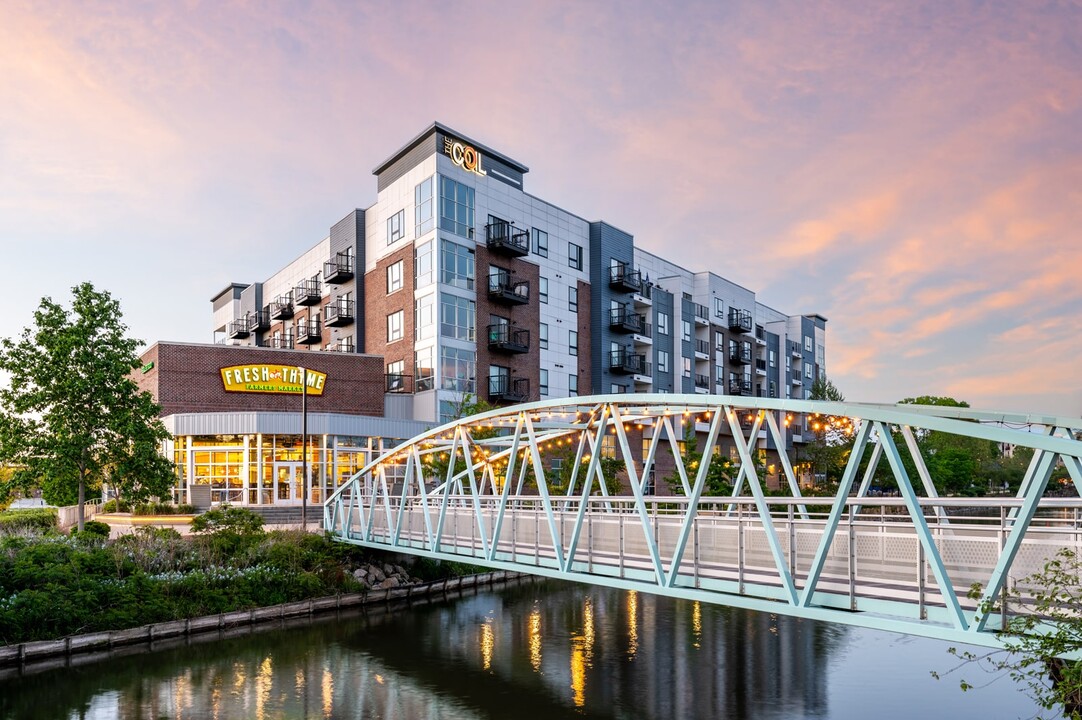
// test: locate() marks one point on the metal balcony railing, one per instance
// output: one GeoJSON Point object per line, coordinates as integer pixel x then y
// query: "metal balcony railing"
{"type": "Point", "coordinates": [504, 388]}
{"type": "Point", "coordinates": [702, 381]}
{"type": "Point", "coordinates": [624, 277]}
{"type": "Point", "coordinates": [702, 346]}
{"type": "Point", "coordinates": [508, 339]}
{"type": "Point", "coordinates": [338, 270]}
{"type": "Point", "coordinates": [398, 383]}
{"type": "Point", "coordinates": [740, 354]}
{"type": "Point", "coordinates": [307, 292]}
{"type": "Point", "coordinates": [309, 332]}
{"type": "Point", "coordinates": [739, 386]}
{"type": "Point", "coordinates": [503, 237]}
{"type": "Point", "coordinates": [239, 328]}
{"type": "Point", "coordinates": [503, 288]}
{"type": "Point", "coordinates": [702, 315]}
{"type": "Point", "coordinates": [281, 308]}
{"type": "Point", "coordinates": [740, 320]}
{"type": "Point", "coordinates": [627, 362]}
{"type": "Point", "coordinates": [626, 320]}
{"type": "Point", "coordinates": [282, 342]}
{"type": "Point", "coordinates": [340, 313]}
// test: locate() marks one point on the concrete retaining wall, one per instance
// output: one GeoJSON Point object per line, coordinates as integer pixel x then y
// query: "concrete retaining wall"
{"type": "Point", "coordinates": [34, 651]}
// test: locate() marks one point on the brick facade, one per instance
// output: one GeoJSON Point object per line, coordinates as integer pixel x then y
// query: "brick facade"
{"type": "Point", "coordinates": [379, 304]}
{"type": "Point", "coordinates": [526, 316]}
{"type": "Point", "coordinates": [585, 369]}
{"type": "Point", "coordinates": [186, 378]}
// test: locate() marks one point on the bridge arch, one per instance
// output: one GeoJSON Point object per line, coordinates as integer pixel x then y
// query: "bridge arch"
{"type": "Point", "coordinates": [531, 488]}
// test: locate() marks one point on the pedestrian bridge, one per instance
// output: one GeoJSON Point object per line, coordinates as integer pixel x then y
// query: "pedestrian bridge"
{"type": "Point", "coordinates": [563, 489]}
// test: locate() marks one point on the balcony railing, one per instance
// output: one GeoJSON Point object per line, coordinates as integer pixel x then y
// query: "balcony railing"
{"type": "Point", "coordinates": [503, 237]}
{"type": "Point", "coordinates": [398, 383]}
{"type": "Point", "coordinates": [795, 350]}
{"type": "Point", "coordinates": [506, 338]}
{"type": "Point", "coordinates": [702, 315]}
{"type": "Point", "coordinates": [281, 307]}
{"type": "Point", "coordinates": [344, 345]}
{"type": "Point", "coordinates": [282, 342]}
{"type": "Point", "coordinates": [625, 320]}
{"type": "Point", "coordinates": [626, 362]}
{"type": "Point", "coordinates": [424, 382]}
{"type": "Point", "coordinates": [259, 320]}
{"type": "Point", "coordinates": [702, 381]}
{"type": "Point", "coordinates": [797, 380]}
{"type": "Point", "coordinates": [309, 332]}
{"type": "Point", "coordinates": [702, 347]}
{"type": "Point", "coordinates": [623, 277]}
{"type": "Point", "coordinates": [340, 313]}
{"type": "Point", "coordinates": [739, 386]}
{"type": "Point", "coordinates": [740, 355]}
{"type": "Point", "coordinates": [307, 292]}
{"type": "Point", "coordinates": [740, 320]}
{"type": "Point", "coordinates": [240, 328]}
{"type": "Point", "coordinates": [504, 388]}
{"type": "Point", "coordinates": [502, 288]}
{"type": "Point", "coordinates": [760, 364]}
{"type": "Point", "coordinates": [339, 270]}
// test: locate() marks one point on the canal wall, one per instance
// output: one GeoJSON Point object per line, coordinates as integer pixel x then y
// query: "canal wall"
{"type": "Point", "coordinates": [149, 637]}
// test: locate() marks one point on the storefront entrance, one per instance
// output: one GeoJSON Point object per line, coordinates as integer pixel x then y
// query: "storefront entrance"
{"type": "Point", "coordinates": [288, 483]}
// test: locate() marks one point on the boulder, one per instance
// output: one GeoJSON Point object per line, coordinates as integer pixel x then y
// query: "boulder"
{"type": "Point", "coordinates": [390, 582]}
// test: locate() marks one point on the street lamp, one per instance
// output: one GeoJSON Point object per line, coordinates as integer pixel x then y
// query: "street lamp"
{"type": "Point", "coordinates": [304, 449]}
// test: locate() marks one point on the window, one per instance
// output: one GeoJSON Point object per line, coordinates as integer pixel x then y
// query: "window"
{"type": "Point", "coordinates": [396, 227]}
{"type": "Point", "coordinates": [572, 385]}
{"type": "Point", "coordinates": [808, 370]}
{"type": "Point", "coordinates": [573, 299]}
{"type": "Point", "coordinates": [394, 277]}
{"type": "Point", "coordinates": [773, 360]}
{"type": "Point", "coordinates": [544, 382]}
{"type": "Point", "coordinates": [424, 371]}
{"type": "Point", "coordinates": [662, 361]}
{"type": "Point", "coordinates": [543, 336]}
{"type": "Point", "coordinates": [662, 323]}
{"type": "Point", "coordinates": [608, 446]}
{"type": "Point", "coordinates": [807, 344]}
{"type": "Point", "coordinates": [394, 326]}
{"type": "Point", "coordinates": [616, 389]}
{"type": "Point", "coordinates": [540, 242]}
{"type": "Point", "coordinates": [457, 369]}
{"type": "Point", "coordinates": [820, 354]}
{"type": "Point", "coordinates": [456, 265]}
{"type": "Point", "coordinates": [422, 265]}
{"type": "Point", "coordinates": [573, 342]}
{"type": "Point", "coordinates": [424, 317]}
{"type": "Point", "coordinates": [456, 207]}
{"type": "Point", "coordinates": [457, 317]}
{"type": "Point", "coordinates": [543, 289]}
{"type": "Point", "coordinates": [422, 208]}
{"type": "Point", "coordinates": [685, 331]}
{"type": "Point", "coordinates": [719, 308]}
{"type": "Point", "coordinates": [398, 367]}
{"type": "Point", "coordinates": [773, 389]}
{"type": "Point", "coordinates": [687, 367]}
{"type": "Point", "coordinates": [574, 256]}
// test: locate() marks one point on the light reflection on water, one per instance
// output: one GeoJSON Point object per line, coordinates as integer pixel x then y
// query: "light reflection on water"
{"type": "Point", "coordinates": [544, 650]}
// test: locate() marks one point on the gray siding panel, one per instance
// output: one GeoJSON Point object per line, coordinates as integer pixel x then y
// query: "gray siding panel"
{"type": "Point", "coordinates": [663, 303]}
{"type": "Point", "coordinates": [606, 243]}
{"type": "Point", "coordinates": [427, 146]}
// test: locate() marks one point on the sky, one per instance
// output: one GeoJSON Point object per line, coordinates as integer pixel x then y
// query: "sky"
{"type": "Point", "coordinates": [910, 170]}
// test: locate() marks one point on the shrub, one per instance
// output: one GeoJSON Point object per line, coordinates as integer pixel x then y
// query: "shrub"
{"type": "Point", "coordinates": [39, 520]}
{"type": "Point", "coordinates": [116, 506]}
{"type": "Point", "coordinates": [226, 518]}
{"type": "Point", "coordinates": [93, 528]}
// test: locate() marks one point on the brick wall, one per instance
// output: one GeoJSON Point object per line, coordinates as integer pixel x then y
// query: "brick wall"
{"type": "Point", "coordinates": [186, 378]}
{"type": "Point", "coordinates": [585, 369]}
{"type": "Point", "coordinates": [378, 305]}
{"type": "Point", "coordinates": [526, 316]}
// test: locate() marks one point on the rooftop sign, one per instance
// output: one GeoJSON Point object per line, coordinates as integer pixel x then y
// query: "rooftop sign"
{"type": "Point", "coordinates": [463, 155]}
{"type": "Point", "coordinates": [271, 379]}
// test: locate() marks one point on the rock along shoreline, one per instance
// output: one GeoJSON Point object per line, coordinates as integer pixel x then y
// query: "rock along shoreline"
{"type": "Point", "coordinates": [20, 655]}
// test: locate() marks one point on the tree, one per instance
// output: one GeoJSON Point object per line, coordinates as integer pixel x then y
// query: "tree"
{"type": "Point", "coordinates": [1039, 642]}
{"type": "Point", "coordinates": [832, 438]}
{"type": "Point", "coordinates": [71, 415]}
{"type": "Point", "coordinates": [958, 464]}
{"type": "Point", "coordinates": [435, 465]}
{"type": "Point", "coordinates": [719, 476]}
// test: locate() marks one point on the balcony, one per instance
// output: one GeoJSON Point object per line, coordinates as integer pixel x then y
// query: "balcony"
{"type": "Point", "coordinates": [760, 366]}
{"type": "Point", "coordinates": [505, 388]}
{"type": "Point", "coordinates": [702, 382]}
{"type": "Point", "coordinates": [281, 308]}
{"type": "Point", "coordinates": [740, 355]}
{"type": "Point", "coordinates": [339, 270]}
{"type": "Point", "coordinates": [626, 362]}
{"type": "Point", "coordinates": [739, 386]}
{"type": "Point", "coordinates": [740, 321]}
{"type": "Point", "coordinates": [239, 328]}
{"type": "Point", "coordinates": [624, 320]}
{"type": "Point", "coordinates": [643, 297]}
{"type": "Point", "coordinates": [340, 313]}
{"type": "Point", "coordinates": [795, 350]}
{"type": "Point", "coordinates": [282, 342]}
{"type": "Point", "coordinates": [259, 320]}
{"type": "Point", "coordinates": [398, 383]}
{"type": "Point", "coordinates": [797, 380]}
{"type": "Point", "coordinates": [702, 349]}
{"type": "Point", "coordinates": [307, 292]}
{"type": "Point", "coordinates": [702, 315]}
{"type": "Point", "coordinates": [344, 345]}
{"type": "Point", "coordinates": [505, 238]}
{"type": "Point", "coordinates": [503, 289]}
{"type": "Point", "coordinates": [623, 277]}
{"type": "Point", "coordinates": [505, 338]}
{"type": "Point", "coordinates": [309, 332]}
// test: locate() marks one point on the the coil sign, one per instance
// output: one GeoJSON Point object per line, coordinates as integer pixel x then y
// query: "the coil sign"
{"type": "Point", "coordinates": [464, 156]}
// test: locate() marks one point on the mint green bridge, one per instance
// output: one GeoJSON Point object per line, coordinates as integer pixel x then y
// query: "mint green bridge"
{"type": "Point", "coordinates": [534, 488]}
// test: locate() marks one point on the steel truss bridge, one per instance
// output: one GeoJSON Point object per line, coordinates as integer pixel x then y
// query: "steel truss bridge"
{"type": "Point", "coordinates": [529, 488]}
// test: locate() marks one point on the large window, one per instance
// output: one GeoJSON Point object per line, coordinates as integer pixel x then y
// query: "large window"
{"type": "Point", "coordinates": [574, 255]}
{"type": "Point", "coordinates": [456, 207]}
{"type": "Point", "coordinates": [543, 290]}
{"type": "Point", "coordinates": [719, 308]}
{"type": "Point", "coordinates": [456, 262]}
{"type": "Point", "coordinates": [457, 369]}
{"type": "Point", "coordinates": [395, 326]}
{"type": "Point", "coordinates": [662, 323]}
{"type": "Point", "coordinates": [573, 384]}
{"type": "Point", "coordinates": [573, 342]}
{"type": "Point", "coordinates": [543, 336]}
{"type": "Point", "coordinates": [425, 317]}
{"type": "Point", "coordinates": [424, 370]}
{"type": "Point", "coordinates": [540, 242]}
{"type": "Point", "coordinates": [544, 382]}
{"type": "Point", "coordinates": [457, 317]}
{"type": "Point", "coordinates": [662, 361]}
{"type": "Point", "coordinates": [573, 299]}
{"type": "Point", "coordinates": [396, 227]}
{"type": "Point", "coordinates": [423, 269]}
{"type": "Point", "coordinates": [394, 277]}
{"type": "Point", "coordinates": [685, 331]}
{"type": "Point", "coordinates": [687, 367]}
{"type": "Point", "coordinates": [422, 208]}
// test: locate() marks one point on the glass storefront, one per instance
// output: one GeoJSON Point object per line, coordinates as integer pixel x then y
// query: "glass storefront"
{"type": "Point", "coordinates": [260, 469]}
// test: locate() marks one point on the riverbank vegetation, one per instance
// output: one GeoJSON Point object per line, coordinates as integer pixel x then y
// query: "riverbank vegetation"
{"type": "Point", "coordinates": [53, 584]}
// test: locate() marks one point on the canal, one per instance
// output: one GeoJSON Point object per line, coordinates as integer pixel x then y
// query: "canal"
{"type": "Point", "coordinates": [537, 650]}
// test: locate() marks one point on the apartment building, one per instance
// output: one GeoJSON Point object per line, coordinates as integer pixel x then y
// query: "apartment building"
{"type": "Point", "coordinates": [465, 283]}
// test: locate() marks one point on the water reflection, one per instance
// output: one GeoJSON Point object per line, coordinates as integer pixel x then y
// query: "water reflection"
{"type": "Point", "coordinates": [544, 650]}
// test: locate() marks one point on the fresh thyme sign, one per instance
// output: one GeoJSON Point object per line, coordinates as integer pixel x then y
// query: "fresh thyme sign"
{"type": "Point", "coordinates": [271, 379]}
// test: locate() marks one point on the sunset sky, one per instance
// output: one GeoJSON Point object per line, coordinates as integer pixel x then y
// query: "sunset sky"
{"type": "Point", "coordinates": [911, 170]}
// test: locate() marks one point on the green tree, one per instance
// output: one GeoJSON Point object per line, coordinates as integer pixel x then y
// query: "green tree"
{"type": "Point", "coordinates": [719, 476]}
{"type": "Point", "coordinates": [958, 464]}
{"type": "Point", "coordinates": [71, 415]}
{"type": "Point", "coordinates": [832, 440]}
